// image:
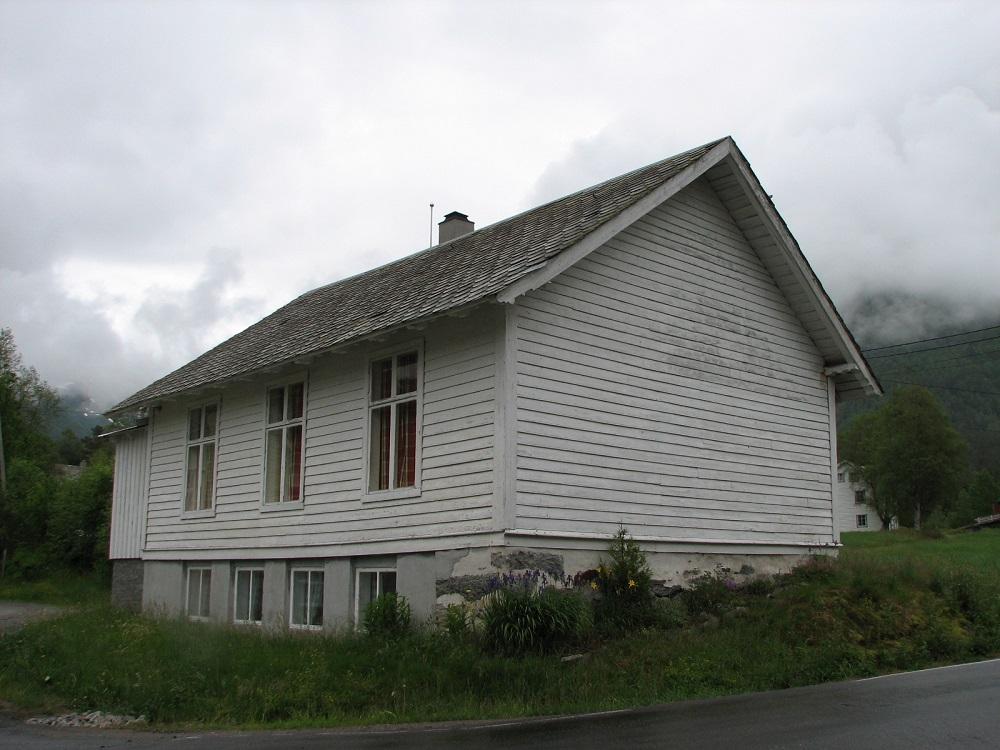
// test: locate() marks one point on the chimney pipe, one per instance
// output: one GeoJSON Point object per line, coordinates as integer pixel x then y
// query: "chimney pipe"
{"type": "Point", "coordinates": [454, 225]}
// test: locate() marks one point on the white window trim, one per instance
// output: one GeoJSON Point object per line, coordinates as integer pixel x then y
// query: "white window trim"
{"type": "Point", "coordinates": [187, 592]}
{"type": "Point", "coordinates": [204, 512]}
{"type": "Point", "coordinates": [291, 595]}
{"type": "Point", "coordinates": [236, 576]}
{"type": "Point", "coordinates": [367, 494]}
{"type": "Point", "coordinates": [857, 520]}
{"type": "Point", "coordinates": [357, 589]}
{"type": "Point", "coordinates": [298, 377]}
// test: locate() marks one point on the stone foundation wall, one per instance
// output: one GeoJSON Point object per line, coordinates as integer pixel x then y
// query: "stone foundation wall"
{"type": "Point", "coordinates": [466, 575]}
{"type": "Point", "coordinates": [126, 584]}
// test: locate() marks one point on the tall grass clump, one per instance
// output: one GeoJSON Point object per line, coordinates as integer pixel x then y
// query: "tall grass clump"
{"type": "Point", "coordinates": [525, 620]}
{"type": "Point", "coordinates": [388, 616]}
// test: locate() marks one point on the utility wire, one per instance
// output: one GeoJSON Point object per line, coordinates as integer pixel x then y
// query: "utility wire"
{"type": "Point", "coordinates": [933, 348]}
{"type": "Point", "coordinates": [938, 364]}
{"type": "Point", "coordinates": [935, 338]}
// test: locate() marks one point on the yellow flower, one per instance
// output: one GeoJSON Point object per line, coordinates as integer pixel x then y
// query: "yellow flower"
{"type": "Point", "coordinates": [631, 583]}
{"type": "Point", "coordinates": [593, 585]}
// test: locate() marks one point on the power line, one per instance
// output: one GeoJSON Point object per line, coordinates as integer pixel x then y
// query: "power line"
{"type": "Point", "coordinates": [935, 338]}
{"type": "Point", "coordinates": [934, 348]}
{"type": "Point", "coordinates": [939, 364]}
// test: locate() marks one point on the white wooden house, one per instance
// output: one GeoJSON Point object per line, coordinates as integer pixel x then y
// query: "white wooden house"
{"type": "Point", "coordinates": [653, 352]}
{"type": "Point", "coordinates": [852, 497]}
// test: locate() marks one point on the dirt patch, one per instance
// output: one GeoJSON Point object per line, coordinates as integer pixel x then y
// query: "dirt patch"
{"type": "Point", "coordinates": [14, 615]}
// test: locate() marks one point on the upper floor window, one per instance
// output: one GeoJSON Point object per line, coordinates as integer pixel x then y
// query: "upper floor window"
{"type": "Point", "coordinates": [840, 477]}
{"type": "Point", "coordinates": [201, 444]}
{"type": "Point", "coordinates": [393, 415]}
{"type": "Point", "coordinates": [860, 497]}
{"type": "Point", "coordinates": [285, 430]}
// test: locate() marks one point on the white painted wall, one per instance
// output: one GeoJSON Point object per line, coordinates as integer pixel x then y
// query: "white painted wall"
{"type": "Point", "coordinates": [665, 383]}
{"type": "Point", "coordinates": [457, 457]}
{"type": "Point", "coordinates": [848, 509]}
{"type": "Point", "coordinates": [128, 496]}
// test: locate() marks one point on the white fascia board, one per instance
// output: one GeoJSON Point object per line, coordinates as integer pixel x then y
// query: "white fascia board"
{"type": "Point", "coordinates": [577, 252]}
{"type": "Point", "coordinates": [802, 270]}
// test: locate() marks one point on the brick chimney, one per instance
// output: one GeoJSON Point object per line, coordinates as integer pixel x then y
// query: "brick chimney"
{"type": "Point", "coordinates": [454, 225]}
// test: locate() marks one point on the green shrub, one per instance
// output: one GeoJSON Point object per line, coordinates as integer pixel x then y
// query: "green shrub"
{"type": "Point", "coordinates": [388, 616]}
{"type": "Point", "coordinates": [710, 593]}
{"type": "Point", "coordinates": [760, 586]}
{"type": "Point", "coordinates": [669, 613]}
{"type": "Point", "coordinates": [625, 583]}
{"type": "Point", "coordinates": [458, 621]}
{"type": "Point", "coordinates": [522, 620]}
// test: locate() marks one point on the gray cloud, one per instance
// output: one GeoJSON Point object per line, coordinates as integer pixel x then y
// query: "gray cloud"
{"type": "Point", "coordinates": [313, 136]}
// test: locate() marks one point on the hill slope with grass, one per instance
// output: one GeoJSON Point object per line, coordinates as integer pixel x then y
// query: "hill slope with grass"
{"type": "Point", "coordinates": [894, 601]}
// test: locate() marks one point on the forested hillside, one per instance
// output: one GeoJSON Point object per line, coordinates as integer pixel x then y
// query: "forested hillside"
{"type": "Point", "coordinates": [961, 369]}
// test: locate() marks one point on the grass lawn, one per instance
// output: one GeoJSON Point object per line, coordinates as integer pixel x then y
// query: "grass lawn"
{"type": "Point", "coordinates": [62, 588]}
{"type": "Point", "coordinates": [893, 601]}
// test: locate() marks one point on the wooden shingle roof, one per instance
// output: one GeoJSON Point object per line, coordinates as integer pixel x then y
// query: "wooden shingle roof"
{"type": "Point", "coordinates": [444, 277]}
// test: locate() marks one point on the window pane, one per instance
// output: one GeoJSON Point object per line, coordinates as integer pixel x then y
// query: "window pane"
{"type": "Point", "coordinates": [316, 598]}
{"type": "Point", "coordinates": [293, 463]}
{"type": "Point", "coordinates": [207, 474]}
{"type": "Point", "coordinates": [191, 486]}
{"type": "Point", "coordinates": [295, 398]}
{"type": "Point", "coordinates": [257, 595]}
{"type": "Point", "coordinates": [300, 585]}
{"type": "Point", "coordinates": [406, 444]}
{"type": "Point", "coordinates": [275, 405]}
{"type": "Point", "coordinates": [367, 591]}
{"type": "Point", "coordinates": [194, 424]}
{"type": "Point", "coordinates": [388, 582]}
{"type": "Point", "coordinates": [206, 592]}
{"type": "Point", "coordinates": [381, 379]}
{"type": "Point", "coordinates": [211, 417]}
{"type": "Point", "coordinates": [378, 450]}
{"type": "Point", "coordinates": [242, 595]}
{"type": "Point", "coordinates": [272, 470]}
{"type": "Point", "coordinates": [406, 373]}
{"type": "Point", "coordinates": [194, 585]}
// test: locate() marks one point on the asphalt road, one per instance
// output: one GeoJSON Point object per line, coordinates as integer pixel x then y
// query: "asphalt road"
{"type": "Point", "coordinates": [949, 707]}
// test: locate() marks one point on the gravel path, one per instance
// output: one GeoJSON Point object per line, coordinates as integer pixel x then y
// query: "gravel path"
{"type": "Point", "coordinates": [13, 615]}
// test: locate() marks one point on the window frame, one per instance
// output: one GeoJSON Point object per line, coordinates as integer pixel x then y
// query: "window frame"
{"type": "Point", "coordinates": [393, 493]}
{"type": "Point", "coordinates": [251, 569]}
{"type": "Point", "coordinates": [861, 521]}
{"type": "Point", "coordinates": [863, 495]}
{"type": "Point", "coordinates": [201, 569]}
{"type": "Point", "coordinates": [310, 569]}
{"type": "Point", "coordinates": [285, 382]}
{"type": "Point", "coordinates": [201, 442]}
{"type": "Point", "coordinates": [378, 570]}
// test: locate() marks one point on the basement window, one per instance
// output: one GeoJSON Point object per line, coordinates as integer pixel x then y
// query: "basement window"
{"type": "Point", "coordinates": [370, 585]}
{"type": "Point", "coordinates": [248, 605]}
{"type": "Point", "coordinates": [862, 520]}
{"type": "Point", "coordinates": [307, 599]}
{"type": "Point", "coordinates": [199, 593]}
{"type": "Point", "coordinates": [202, 440]}
{"type": "Point", "coordinates": [394, 422]}
{"type": "Point", "coordinates": [283, 443]}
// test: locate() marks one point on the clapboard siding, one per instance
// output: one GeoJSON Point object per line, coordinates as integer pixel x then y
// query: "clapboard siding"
{"type": "Point", "coordinates": [665, 383]}
{"type": "Point", "coordinates": [457, 444]}
{"type": "Point", "coordinates": [128, 495]}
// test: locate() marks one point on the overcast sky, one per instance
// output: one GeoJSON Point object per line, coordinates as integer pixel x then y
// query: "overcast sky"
{"type": "Point", "coordinates": [171, 172]}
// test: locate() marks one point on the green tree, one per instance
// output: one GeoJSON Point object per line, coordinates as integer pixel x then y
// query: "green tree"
{"type": "Point", "coordinates": [909, 453]}
{"type": "Point", "coordinates": [976, 499]}
{"type": "Point", "coordinates": [26, 405]}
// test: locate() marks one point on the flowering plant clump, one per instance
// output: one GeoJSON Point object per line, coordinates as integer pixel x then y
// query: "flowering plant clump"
{"type": "Point", "coordinates": [531, 580]}
{"type": "Point", "coordinates": [625, 583]}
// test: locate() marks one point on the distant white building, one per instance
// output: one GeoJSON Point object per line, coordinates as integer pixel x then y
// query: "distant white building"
{"type": "Point", "coordinates": [851, 499]}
